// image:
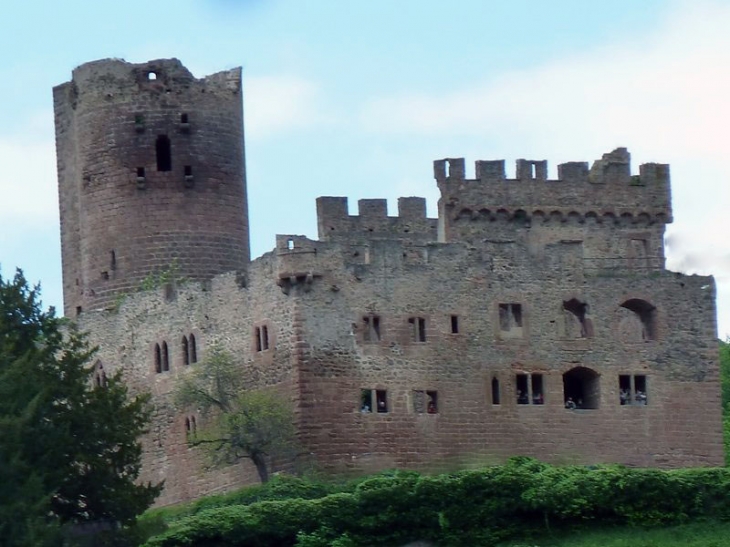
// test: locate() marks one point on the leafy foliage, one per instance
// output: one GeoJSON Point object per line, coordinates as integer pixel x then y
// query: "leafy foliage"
{"type": "Point", "coordinates": [69, 452]}
{"type": "Point", "coordinates": [240, 424]}
{"type": "Point", "coordinates": [521, 499]}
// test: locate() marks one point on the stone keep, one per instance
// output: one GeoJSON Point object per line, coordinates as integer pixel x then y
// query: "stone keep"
{"type": "Point", "coordinates": [401, 341]}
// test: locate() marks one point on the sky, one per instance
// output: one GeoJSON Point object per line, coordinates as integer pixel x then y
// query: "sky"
{"type": "Point", "coordinates": [357, 98]}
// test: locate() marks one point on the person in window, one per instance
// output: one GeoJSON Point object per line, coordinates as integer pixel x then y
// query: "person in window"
{"type": "Point", "coordinates": [365, 408]}
{"type": "Point", "coordinates": [570, 404]}
{"type": "Point", "coordinates": [522, 398]}
{"type": "Point", "coordinates": [431, 409]}
{"type": "Point", "coordinates": [537, 399]}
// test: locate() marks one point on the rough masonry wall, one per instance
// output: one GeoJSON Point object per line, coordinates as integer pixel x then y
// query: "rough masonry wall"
{"type": "Point", "coordinates": [679, 426]}
{"type": "Point", "coordinates": [151, 177]}
{"type": "Point", "coordinates": [224, 312]}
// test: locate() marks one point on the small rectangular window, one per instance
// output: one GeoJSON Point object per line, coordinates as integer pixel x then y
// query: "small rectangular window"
{"type": "Point", "coordinates": [265, 337]}
{"type": "Point", "coordinates": [257, 334]}
{"type": "Point", "coordinates": [140, 172]}
{"type": "Point", "coordinates": [418, 329]}
{"type": "Point", "coordinates": [495, 391]}
{"type": "Point", "coordinates": [522, 393]}
{"type": "Point", "coordinates": [454, 324]}
{"type": "Point", "coordinates": [372, 328]}
{"type": "Point", "coordinates": [366, 401]}
{"type": "Point", "coordinates": [632, 389]}
{"type": "Point", "coordinates": [188, 170]}
{"type": "Point", "coordinates": [381, 399]}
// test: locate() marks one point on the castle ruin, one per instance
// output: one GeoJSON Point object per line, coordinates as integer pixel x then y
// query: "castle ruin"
{"type": "Point", "coordinates": [532, 317]}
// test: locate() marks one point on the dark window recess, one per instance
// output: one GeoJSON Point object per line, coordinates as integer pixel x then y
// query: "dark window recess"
{"type": "Point", "coordinates": [140, 172]}
{"type": "Point", "coordinates": [581, 388]}
{"type": "Point", "coordinates": [164, 153]}
{"type": "Point", "coordinates": [184, 118]}
{"type": "Point", "coordinates": [262, 338]}
{"type": "Point", "coordinates": [454, 324]}
{"type": "Point", "coordinates": [521, 383]}
{"type": "Point", "coordinates": [418, 329]}
{"type": "Point", "coordinates": [193, 348]}
{"type": "Point", "coordinates": [165, 357]}
{"type": "Point", "coordinates": [432, 402]}
{"type": "Point", "coordinates": [105, 275]}
{"type": "Point", "coordinates": [113, 259]}
{"type": "Point", "coordinates": [381, 400]}
{"type": "Point", "coordinates": [78, 310]}
{"type": "Point", "coordinates": [495, 391]}
{"type": "Point", "coordinates": [185, 350]}
{"type": "Point", "coordinates": [366, 401]}
{"type": "Point", "coordinates": [158, 358]}
{"type": "Point", "coordinates": [538, 396]}
{"type": "Point", "coordinates": [372, 328]}
{"type": "Point", "coordinates": [191, 426]}
{"type": "Point", "coordinates": [632, 389]}
{"type": "Point", "coordinates": [188, 170]}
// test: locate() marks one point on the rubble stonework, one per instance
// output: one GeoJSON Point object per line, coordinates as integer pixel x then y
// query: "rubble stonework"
{"type": "Point", "coordinates": [401, 341]}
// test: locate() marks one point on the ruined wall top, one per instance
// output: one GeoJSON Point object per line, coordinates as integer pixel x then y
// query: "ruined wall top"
{"type": "Point", "coordinates": [105, 76]}
{"type": "Point", "coordinates": [335, 223]}
{"type": "Point", "coordinates": [606, 187]}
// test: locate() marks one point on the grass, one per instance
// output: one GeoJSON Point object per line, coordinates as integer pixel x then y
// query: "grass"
{"type": "Point", "coordinates": [697, 534]}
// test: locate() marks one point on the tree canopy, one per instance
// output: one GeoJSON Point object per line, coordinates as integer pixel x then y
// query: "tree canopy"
{"type": "Point", "coordinates": [239, 424]}
{"type": "Point", "coordinates": [69, 450]}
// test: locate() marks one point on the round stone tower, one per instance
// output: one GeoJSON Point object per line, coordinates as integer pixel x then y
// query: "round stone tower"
{"type": "Point", "coordinates": [151, 177]}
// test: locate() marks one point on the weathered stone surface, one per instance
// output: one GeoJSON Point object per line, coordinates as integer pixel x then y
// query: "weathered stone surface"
{"type": "Point", "coordinates": [522, 291]}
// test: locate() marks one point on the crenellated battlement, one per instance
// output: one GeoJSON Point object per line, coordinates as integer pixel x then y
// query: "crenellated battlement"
{"type": "Point", "coordinates": [335, 223]}
{"type": "Point", "coordinates": [606, 188]}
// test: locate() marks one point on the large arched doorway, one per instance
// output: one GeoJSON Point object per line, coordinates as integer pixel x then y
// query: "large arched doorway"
{"type": "Point", "coordinates": [581, 388]}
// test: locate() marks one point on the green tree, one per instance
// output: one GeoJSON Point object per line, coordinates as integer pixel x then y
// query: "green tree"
{"type": "Point", "coordinates": [68, 451]}
{"type": "Point", "coordinates": [239, 424]}
{"type": "Point", "coordinates": [725, 383]}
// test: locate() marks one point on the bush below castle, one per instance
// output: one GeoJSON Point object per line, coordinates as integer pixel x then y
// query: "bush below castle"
{"type": "Point", "coordinates": [523, 498]}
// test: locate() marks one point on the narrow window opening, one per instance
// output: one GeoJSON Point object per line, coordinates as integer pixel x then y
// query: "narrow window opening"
{"type": "Point", "coordinates": [538, 396]}
{"type": "Point", "coordinates": [259, 345]}
{"type": "Point", "coordinates": [454, 324]}
{"type": "Point", "coordinates": [164, 153]}
{"type": "Point", "coordinates": [184, 118]}
{"type": "Point", "coordinates": [418, 329]}
{"type": "Point", "coordinates": [265, 337]}
{"type": "Point", "coordinates": [381, 400]}
{"type": "Point", "coordinates": [581, 389]}
{"type": "Point", "coordinates": [113, 259]}
{"type": "Point", "coordinates": [533, 171]}
{"type": "Point", "coordinates": [495, 391]}
{"type": "Point", "coordinates": [140, 172]}
{"type": "Point", "coordinates": [158, 359]}
{"type": "Point", "coordinates": [290, 244]}
{"type": "Point", "coordinates": [366, 401]}
{"type": "Point", "coordinates": [432, 403]}
{"type": "Point", "coordinates": [510, 320]}
{"type": "Point", "coordinates": [188, 169]}
{"type": "Point", "coordinates": [151, 75]}
{"type": "Point", "coordinates": [165, 357]}
{"type": "Point", "coordinates": [577, 321]}
{"type": "Point", "coordinates": [185, 351]}
{"type": "Point", "coordinates": [193, 349]}
{"type": "Point", "coordinates": [193, 425]}
{"type": "Point", "coordinates": [521, 386]}
{"type": "Point", "coordinates": [372, 328]}
{"type": "Point", "coordinates": [187, 426]}
{"type": "Point", "coordinates": [447, 168]}
{"type": "Point", "coordinates": [632, 389]}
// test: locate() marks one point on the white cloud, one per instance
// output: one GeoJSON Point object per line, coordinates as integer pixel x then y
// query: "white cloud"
{"type": "Point", "coordinates": [663, 94]}
{"type": "Point", "coordinates": [277, 104]}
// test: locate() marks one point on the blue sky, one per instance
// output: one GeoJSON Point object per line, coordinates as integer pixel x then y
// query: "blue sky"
{"type": "Point", "coordinates": [357, 98]}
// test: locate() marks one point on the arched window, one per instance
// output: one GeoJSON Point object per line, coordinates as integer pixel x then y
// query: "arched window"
{"type": "Point", "coordinates": [640, 324]}
{"type": "Point", "coordinates": [158, 359]}
{"type": "Point", "coordinates": [193, 349]}
{"type": "Point", "coordinates": [165, 357]}
{"type": "Point", "coordinates": [577, 321]}
{"type": "Point", "coordinates": [495, 391]}
{"type": "Point", "coordinates": [185, 350]}
{"type": "Point", "coordinates": [581, 388]}
{"type": "Point", "coordinates": [164, 153]}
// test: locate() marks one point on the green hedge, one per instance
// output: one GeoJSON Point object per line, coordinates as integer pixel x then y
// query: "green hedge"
{"type": "Point", "coordinates": [521, 498]}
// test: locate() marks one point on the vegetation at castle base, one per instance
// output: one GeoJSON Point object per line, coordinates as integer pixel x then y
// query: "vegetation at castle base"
{"type": "Point", "coordinates": [521, 500]}
{"type": "Point", "coordinates": [238, 424]}
{"type": "Point", "coordinates": [725, 382]}
{"type": "Point", "coordinates": [68, 451]}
